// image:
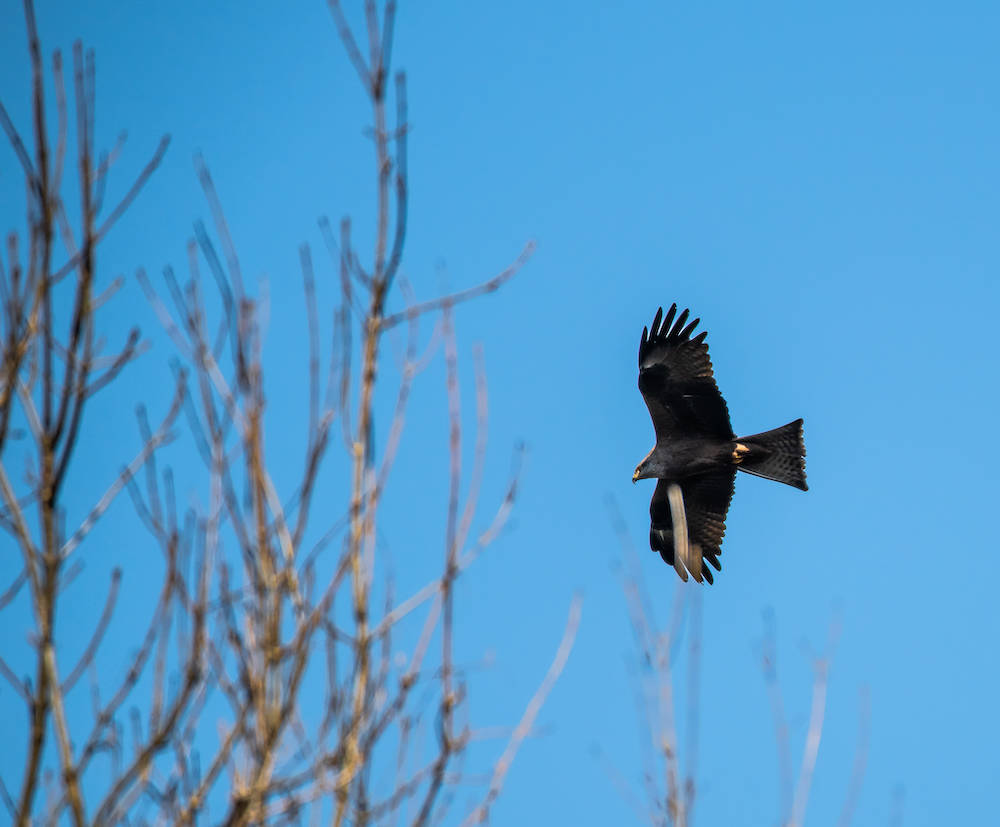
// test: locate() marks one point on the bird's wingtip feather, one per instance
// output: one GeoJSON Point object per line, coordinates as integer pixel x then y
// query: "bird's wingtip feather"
{"type": "Point", "coordinates": [681, 319]}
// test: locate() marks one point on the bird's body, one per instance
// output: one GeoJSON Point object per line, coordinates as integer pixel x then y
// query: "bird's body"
{"type": "Point", "coordinates": [697, 455]}
{"type": "Point", "coordinates": [682, 457]}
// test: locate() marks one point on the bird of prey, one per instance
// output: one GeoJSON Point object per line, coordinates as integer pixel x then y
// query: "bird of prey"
{"type": "Point", "coordinates": [697, 455]}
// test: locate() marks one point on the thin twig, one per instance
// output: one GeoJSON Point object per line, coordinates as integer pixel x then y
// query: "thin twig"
{"type": "Point", "coordinates": [860, 759]}
{"type": "Point", "coordinates": [122, 205]}
{"type": "Point", "coordinates": [102, 625]}
{"type": "Point", "coordinates": [821, 670]}
{"type": "Point", "coordinates": [489, 286]}
{"type": "Point", "coordinates": [769, 665]}
{"type": "Point", "coordinates": [811, 749]}
{"type": "Point", "coordinates": [350, 44]}
{"type": "Point", "coordinates": [158, 438]}
{"type": "Point", "coordinates": [481, 813]}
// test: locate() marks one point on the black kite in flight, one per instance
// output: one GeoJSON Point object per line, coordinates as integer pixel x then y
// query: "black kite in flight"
{"type": "Point", "coordinates": [697, 455]}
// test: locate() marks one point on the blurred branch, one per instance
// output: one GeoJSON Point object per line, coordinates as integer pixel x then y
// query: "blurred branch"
{"type": "Point", "coordinates": [481, 813]}
{"type": "Point", "coordinates": [811, 749]}
{"type": "Point", "coordinates": [769, 665]}
{"type": "Point", "coordinates": [121, 207]}
{"type": "Point", "coordinates": [451, 300]}
{"type": "Point", "coordinates": [87, 658]}
{"type": "Point", "coordinates": [794, 803]}
{"type": "Point", "coordinates": [149, 447]}
{"type": "Point", "coordinates": [860, 759]}
{"type": "Point", "coordinates": [672, 800]}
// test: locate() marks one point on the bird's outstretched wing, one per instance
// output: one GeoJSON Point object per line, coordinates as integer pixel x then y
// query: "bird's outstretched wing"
{"type": "Point", "coordinates": [676, 380]}
{"type": "Point", "coordinates": [706, 501]}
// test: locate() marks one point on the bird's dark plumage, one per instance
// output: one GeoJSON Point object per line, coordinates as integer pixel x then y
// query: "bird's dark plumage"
{"type": "Point", "coordinates": [676, 379]}
{"type": "Point", "coordinates": [696, 448]}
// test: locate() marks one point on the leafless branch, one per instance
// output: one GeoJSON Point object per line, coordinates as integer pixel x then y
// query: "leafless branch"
{"type": "Point", "coordinates": [860, 759]}
{"type": "Point", "coordinates": [769, 665]}
{"type": "Point", "coordinates": [122, 206]}
{"type": "Point", "coordinates": [671, 801]}
{"type": "Point", "coordinates": [811, 749]}
{"type": "Point", "coordinates": [87, 657]}
{"type": "Point", "coordinates": [795, 799]}
{"type": "Point", "coordinates": [481, 813]}
{"type": "Point", "coordinates": [150, 446]}
{"type": "Point", "coordinates": [253, 590]}
{"type": "Point", "coordinates": [489, 286]}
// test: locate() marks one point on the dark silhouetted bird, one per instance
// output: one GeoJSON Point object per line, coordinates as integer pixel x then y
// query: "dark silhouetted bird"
{"type": "Point", "coordinates": [697, 455]}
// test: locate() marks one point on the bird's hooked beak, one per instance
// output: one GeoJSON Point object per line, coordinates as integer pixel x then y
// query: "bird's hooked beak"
{"type": "Point", "coordinates": [635, 476]}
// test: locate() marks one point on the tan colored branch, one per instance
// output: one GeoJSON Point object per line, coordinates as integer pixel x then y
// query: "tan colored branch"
{"type": "Point", "coordinates": [159, 438]}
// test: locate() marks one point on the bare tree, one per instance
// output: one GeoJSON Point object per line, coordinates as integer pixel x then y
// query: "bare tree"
{"type": "Point", "coordinates": [262, 594]}
{"type": "Point", "coordinates": [668, 775]}
{"type": "Point", "coordinates": [669, 778]}
{"type": "Point", "coordinates": [794, 792]}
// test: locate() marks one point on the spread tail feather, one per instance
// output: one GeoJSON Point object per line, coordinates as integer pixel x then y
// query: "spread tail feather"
{"type": "Point", "coordinates": [778, 455]}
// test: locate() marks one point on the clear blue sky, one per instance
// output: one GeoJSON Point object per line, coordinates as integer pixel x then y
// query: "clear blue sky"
{"type": "Point", "coordinates": [821, 186]}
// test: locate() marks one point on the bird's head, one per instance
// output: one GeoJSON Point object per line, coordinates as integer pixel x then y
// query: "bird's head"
{"type": "Point", "coordinates": [642, 471]}
{"type": "Point", "coordinates": [649, 468]}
